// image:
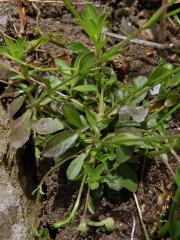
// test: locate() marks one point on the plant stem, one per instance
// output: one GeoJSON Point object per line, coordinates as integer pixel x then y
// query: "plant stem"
{"type": "Point", "coordinates": [72, 9]}
{"type": "Point", "coordinates": [74, 211]}
{"type": "Point", "coordinates": [167, 115]}
{"type": "Point", "coordinates": [175, 154]}
{"type": "Point", "coordinates": [141, 218]}
{"type": "Point", "coordinates": [162, 27]}
{"type": "Point", "coordinates": [101, 105]}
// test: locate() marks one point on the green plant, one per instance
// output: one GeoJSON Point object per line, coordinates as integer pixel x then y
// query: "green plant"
{"type": "Point", "coordinates": [79, 111]}
{"type": "Point", "coordinates": [172, 226]}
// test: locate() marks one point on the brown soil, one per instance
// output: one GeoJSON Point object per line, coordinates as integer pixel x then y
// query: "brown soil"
{"type": "Point", "coordinates": [136, 60]}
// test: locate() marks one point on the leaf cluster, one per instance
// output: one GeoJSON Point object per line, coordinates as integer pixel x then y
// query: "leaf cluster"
{"type": "Point", "coordinates": [79, 111]}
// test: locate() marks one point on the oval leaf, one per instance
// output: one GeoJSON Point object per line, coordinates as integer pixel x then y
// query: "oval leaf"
{"type": "Point", "coordinates": [139, 114]}
{"type": "Point", "coordinates": [76, 166]}
{"type": "Point", "coordinates": [72, 115]}
{"type": "Point", "coordinates": [15, 105]}
{"type": "Point", "coordinates": [86, 88]}
{"type": "Point", "coordinates": [21, 130]}
{"type": "Point", "coordinates": [47, 125]}
{"type": "Point", "coordinates": [87, 62]}
{"type": "Point", "coordinates": [59, 144]}
{"type": "Point", "coordinates": [127, 139]}
{"type": "Point", "coordinates": [78, 48]}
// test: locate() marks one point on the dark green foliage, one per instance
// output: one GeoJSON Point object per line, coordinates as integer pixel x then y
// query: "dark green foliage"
{"type": "Point", "coordinates": [79, 111]}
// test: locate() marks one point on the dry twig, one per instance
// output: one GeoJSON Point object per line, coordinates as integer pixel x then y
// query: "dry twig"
{"type": "Point", "coordinates": [140, 41]}
{"type": "Point", "coordinates": [55, 1]}
{"type": "Point", "coordinates": [141, 218]}
{"type": "Point", "coordinates": [163, 23]}
{"type": "Point", "coordinates": [22, 17]}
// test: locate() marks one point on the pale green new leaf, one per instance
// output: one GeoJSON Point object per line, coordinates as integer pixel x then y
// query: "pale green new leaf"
{"type": "Point", "coordinates": [86, 88]}
{"type": "Point", "coordinates": [78, 48]}
{"type": "Point", "coordinates": [76, 166]}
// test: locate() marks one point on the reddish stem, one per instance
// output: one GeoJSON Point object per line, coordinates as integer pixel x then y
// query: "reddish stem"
{"type": "Point", "coordinates": [163, 23]}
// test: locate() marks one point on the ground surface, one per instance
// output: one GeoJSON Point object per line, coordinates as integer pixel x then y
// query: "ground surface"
{"type": "Point", "coordinates": [136, 60]}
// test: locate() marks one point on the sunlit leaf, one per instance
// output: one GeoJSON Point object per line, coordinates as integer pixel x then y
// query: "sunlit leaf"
{"type": "Point", "coordinates": [114, 181]}
{"type": "Point", "coordinates": [47, 125]}
{"type": "Point", "coordinates": [59, 144]}
{"type": "Point", "coordinates": [124, 177]}
{"type": "Point", "coordinates": [64, 69]}
{"type": "Point", "coordinates": [10, 45]}
{"type": "Point", "coordinates": [110, 54]}
{"type": "Point", "coordinates": [78, 48]}
{"type": "Point", "coordinates": [90, 12]}
{"type": "Point", "coordinates": [76, 166]}
{"type": "Point", "coordinates": [86, 88]}
{"type": "Point", "coordinates": [127, 139]}
{"type": "Point", "coordinates": [91, 205]}
{"type": "Point", "coordinates": [140, 81]}
{"type": "Point", "coordinates": [87, 62]}
{"type": "Point", "coordinates": [37, 43]}
{"type": "Point", "coordinates": [124, 113]}
{"type": "Point", "coordinates": [155, 89]}
{"type": "Point", "coordinates": [139, 114]}
{"type": "Point", "coordinates": [123, 154]}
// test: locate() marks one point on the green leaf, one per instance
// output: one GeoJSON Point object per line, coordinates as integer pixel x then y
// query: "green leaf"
{"type": "Point", "coordinates": [175, 229]}
{"type": "Point", "coordinates": [175, 80]}
{"type": "Point", "coordinates": [93, 185]}
{"type": "Point", "coordinates": [16, 49]}
{"type": "Point", "coordinates": [140, 81]}
{"type": "Point", "coordinates": [64, 69]}
{"type": "Point", "coordinates": [114, 181]}
{"type": "Point", "coordinates": [139, 114]}
{"type": "Point", "coordinates": [86, 88]}
{"type": "Point", "coordinates": [91, 116]}
{"type": "Point", "coordinates": [110, 54]}
{"type": "Point", "coordinates": [163, 230]}
{"type": "Point", "coordinates": [20, 46]}
{"type": "Point", "coordinates": [87, 61]}
{"type": "Point", "coordinates": [91, 205]}
{"type": "Point", "coordinates": [88, 27]}
{"type": "Point", "coordinates": [15, 105]}
{"type": "Point", "coordinates": [76, 166]}
{"type": "Point", "coordinates": [160, 70]}
{"type": "Point", "coordinates": [10, 45]}
{"type": "Point", "coordinates": [45, 233]}
{"type": "Point", "coordinates": [47, 125]}
{"type": "Point", "coordinates": [178, 176]}
{"type": "Point", "coordinates": [37, 43]}
{"type": "Point", "coordinates": [127, 139]}
{"type": "Point", "coordinates": [72, 115]}
{"type": "Point", "coordinates": [102, 21]}
{"type": "Point", "coordinates": [129, 181]}
{"type": "Point", "coordinates": [123, 154]}
{"type": "Point", "coordinates": [98, 171]}
{"type": "Point", "coordinates": [91, 13]}
{"type": "Point", "coordinates": [21, 130]}
{"type": "Point", "coordinates": [124, 177]}
{"type": "Point", "coordinates": [78, 48]}
{"type": "Point", "coordinates": [4, 51]}
{"type": "Point", "coordinates": [59, 144]}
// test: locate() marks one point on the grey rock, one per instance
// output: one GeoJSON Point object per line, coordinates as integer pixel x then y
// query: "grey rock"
{"type": "Point", "coordinates": [14, 206]}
